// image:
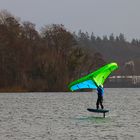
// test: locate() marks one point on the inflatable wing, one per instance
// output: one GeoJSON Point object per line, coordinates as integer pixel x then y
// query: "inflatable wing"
{"type": "Point", "coordinates": [93, 79]}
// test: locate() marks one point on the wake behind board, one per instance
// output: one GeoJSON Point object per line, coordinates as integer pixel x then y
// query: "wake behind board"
{"type": "Point", "coordinates": [98, 111]}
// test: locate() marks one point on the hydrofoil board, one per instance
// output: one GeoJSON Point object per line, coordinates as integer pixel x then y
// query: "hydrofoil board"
{"type": "Point", "coordinates": [98, 111]}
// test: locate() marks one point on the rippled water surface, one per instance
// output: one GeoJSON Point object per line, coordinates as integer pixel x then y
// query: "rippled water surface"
{"type": "Point", "coordinates": [63, 116]}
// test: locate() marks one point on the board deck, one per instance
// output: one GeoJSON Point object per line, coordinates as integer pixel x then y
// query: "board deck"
{"type": "Point", "coordinates": [98, 110]}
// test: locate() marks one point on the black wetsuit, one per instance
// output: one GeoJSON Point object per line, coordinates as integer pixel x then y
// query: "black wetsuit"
{"type": "Point", "coordinates": [100, 98]}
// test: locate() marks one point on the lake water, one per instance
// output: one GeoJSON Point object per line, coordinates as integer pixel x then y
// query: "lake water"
{"type": "Point", "coordinates": [63, 116]}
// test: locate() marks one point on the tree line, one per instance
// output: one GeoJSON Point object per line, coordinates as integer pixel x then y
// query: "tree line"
{"type": "Point", "coordinates": [46, 60]}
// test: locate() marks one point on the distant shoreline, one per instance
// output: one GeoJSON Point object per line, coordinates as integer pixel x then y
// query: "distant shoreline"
{"type": "Point", "coordinates": [107, 85]}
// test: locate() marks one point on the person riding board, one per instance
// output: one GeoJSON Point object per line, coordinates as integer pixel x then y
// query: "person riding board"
{"type": "Point", "coordinates": [100, 93]}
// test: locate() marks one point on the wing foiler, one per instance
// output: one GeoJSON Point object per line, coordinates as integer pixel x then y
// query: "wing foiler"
{"type": "Point", "coordinates": [94, 79]}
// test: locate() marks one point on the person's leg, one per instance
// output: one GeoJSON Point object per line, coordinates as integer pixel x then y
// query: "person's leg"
{"type": "Point", "coordinates": [97, 104]}
{"type": "Point", "coordinates": [101, 103]}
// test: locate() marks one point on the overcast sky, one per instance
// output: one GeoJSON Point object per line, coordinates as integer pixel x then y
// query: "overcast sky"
{"type": "Point", "coordinates": [102, 17]}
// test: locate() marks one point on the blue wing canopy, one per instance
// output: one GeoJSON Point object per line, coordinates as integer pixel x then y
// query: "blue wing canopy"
{"type": "Point", "coordinates": [85, 84]}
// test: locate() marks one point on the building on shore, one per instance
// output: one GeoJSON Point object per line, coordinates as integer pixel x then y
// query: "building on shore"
{"type": "Point", "coordinates": [123, 81]}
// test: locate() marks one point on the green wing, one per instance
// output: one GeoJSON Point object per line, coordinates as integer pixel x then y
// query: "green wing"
{"type": "Point", "coordinates": [93, 79]}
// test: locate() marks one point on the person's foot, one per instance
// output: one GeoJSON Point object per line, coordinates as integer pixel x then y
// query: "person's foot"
{"type": "Point", "coordinates": [97, 107]}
